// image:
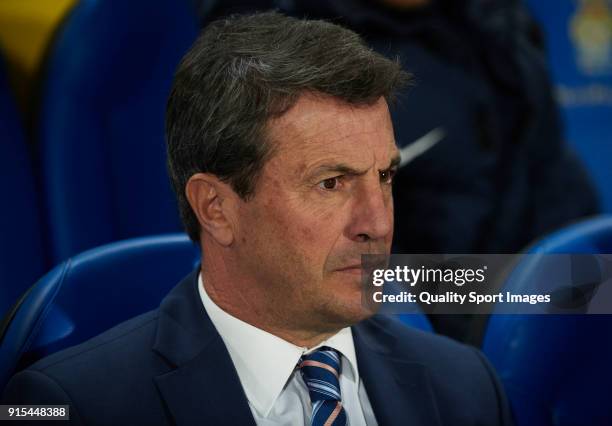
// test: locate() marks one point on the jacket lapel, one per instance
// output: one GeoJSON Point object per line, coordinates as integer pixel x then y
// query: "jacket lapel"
{"type": "Point", "coordinates": [399, 390]}
{"type": "Point", "coordinates": [202, 387]}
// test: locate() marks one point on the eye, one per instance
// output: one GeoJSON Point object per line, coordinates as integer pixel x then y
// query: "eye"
{"type": "Point", "coordinates": [386, 176]}
{"type": "Point", "coordinates": [329, 183]}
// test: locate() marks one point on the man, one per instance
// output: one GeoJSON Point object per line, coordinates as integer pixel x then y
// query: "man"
{"type": "Point", "coordinates": [282, 154]}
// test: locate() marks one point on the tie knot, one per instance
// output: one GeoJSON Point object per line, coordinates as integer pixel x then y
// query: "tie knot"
{"type": "Point", "coordinates": [321, 371]}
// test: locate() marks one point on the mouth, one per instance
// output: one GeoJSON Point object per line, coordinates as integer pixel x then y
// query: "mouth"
{"type": "Point", "coordinates": [351, 269]}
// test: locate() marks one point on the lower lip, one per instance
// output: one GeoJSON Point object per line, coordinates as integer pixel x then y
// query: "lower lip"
{"type": "Point", "coordinates": [352, 271]}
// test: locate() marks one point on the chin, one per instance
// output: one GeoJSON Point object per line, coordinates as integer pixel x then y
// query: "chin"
{"type": "Point", "coordinates": [349, 312]}
{"type": "Point", "coordinates": [345, 304]}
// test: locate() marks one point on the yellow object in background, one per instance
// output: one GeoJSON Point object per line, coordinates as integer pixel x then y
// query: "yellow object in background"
{"type": "Point", "coordinates": [591, 34]}
{"type": "Point", "coordinates": [26, 27]}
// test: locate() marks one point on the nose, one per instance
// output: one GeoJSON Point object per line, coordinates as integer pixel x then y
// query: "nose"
{"type": "Point", "coordinates": [372, 214]}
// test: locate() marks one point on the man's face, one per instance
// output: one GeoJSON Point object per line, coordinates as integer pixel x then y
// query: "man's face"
{"type": "Point", "coordinates": [322, 200]}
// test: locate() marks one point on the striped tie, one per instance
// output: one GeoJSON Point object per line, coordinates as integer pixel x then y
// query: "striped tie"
{"type": "Point", "coordinates": [321, 371]}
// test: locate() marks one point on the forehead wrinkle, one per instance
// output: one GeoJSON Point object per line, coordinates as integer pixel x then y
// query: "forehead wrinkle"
{"type": "Point", "coordinates": [328, 150]}
{"type": "Point", "coordinates": [343, 125]}
{"type": "Point", "coordinates": [305, 121]}
{"type": "Point", "coordinates": [306, 135]}
{"type": "Point", "coordinates": [309, 138]}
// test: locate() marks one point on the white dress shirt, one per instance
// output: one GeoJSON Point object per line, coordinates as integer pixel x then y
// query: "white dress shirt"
{"type": "Point", "coordinates": [266, 366]}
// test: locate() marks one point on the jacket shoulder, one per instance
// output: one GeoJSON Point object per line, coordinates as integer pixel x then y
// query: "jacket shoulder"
{"type": "Point", "coordinates": [125, 337]}
{"type": "Point", "coordinates": [109, 374]}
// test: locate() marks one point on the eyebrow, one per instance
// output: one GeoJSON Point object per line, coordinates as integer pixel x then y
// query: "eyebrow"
{"type": "Point", "coordinates": [344, 169]}
{"type": "Point", "coordinates": [395, 162]}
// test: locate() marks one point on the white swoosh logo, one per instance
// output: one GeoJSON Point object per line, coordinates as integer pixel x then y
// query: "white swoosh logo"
{"type": "Point", "coordinates": [421, 145]}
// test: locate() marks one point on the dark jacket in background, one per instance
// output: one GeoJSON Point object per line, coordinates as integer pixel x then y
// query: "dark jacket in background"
{"type": "Point", "coordinates": [502, 175]}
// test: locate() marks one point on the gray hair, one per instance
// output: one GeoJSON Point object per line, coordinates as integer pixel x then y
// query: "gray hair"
{"type": "Point", "coordinates": [244, 70]}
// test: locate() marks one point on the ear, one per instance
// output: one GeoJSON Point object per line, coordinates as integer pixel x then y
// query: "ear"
{"type": "Point", "coordinates": [212, 200]}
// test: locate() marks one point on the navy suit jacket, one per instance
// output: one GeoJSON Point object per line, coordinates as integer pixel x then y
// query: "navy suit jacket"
{"type": "Point", "coordinates": [171, 367]}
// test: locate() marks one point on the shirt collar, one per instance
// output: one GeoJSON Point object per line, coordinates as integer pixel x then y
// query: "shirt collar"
{"type": "Point", "coordinates": [265, 362]}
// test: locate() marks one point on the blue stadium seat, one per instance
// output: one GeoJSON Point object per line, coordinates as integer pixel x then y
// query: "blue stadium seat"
{"type": "Point", "coordinates": [92, 292]}
{"type": "Point", "coordinates": [556, 369]}
{"type": "Point", "coordinates": [22, 258]}
{"type": "Point", "coordinates": [101, 121]}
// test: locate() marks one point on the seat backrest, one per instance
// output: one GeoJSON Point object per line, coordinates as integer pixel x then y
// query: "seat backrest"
{"type": "Point", "coordinates": [92, 292]}
{"type": "Point", "coordinates": [101, 121]}
{"type": "Point", "coordinates": [556, 368]}
{"type": "Point", "coordinates": [22, 259]}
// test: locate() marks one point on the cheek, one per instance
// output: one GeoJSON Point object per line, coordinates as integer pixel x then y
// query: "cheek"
{"type": "Point", "coordinates": [311, 235]}
{"type": "Point", "coordinates": [293, 227]}
{"type": "Point", "coordinates": [302, 233]}
{"type": "Point", "coordinates": [320, 228]}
